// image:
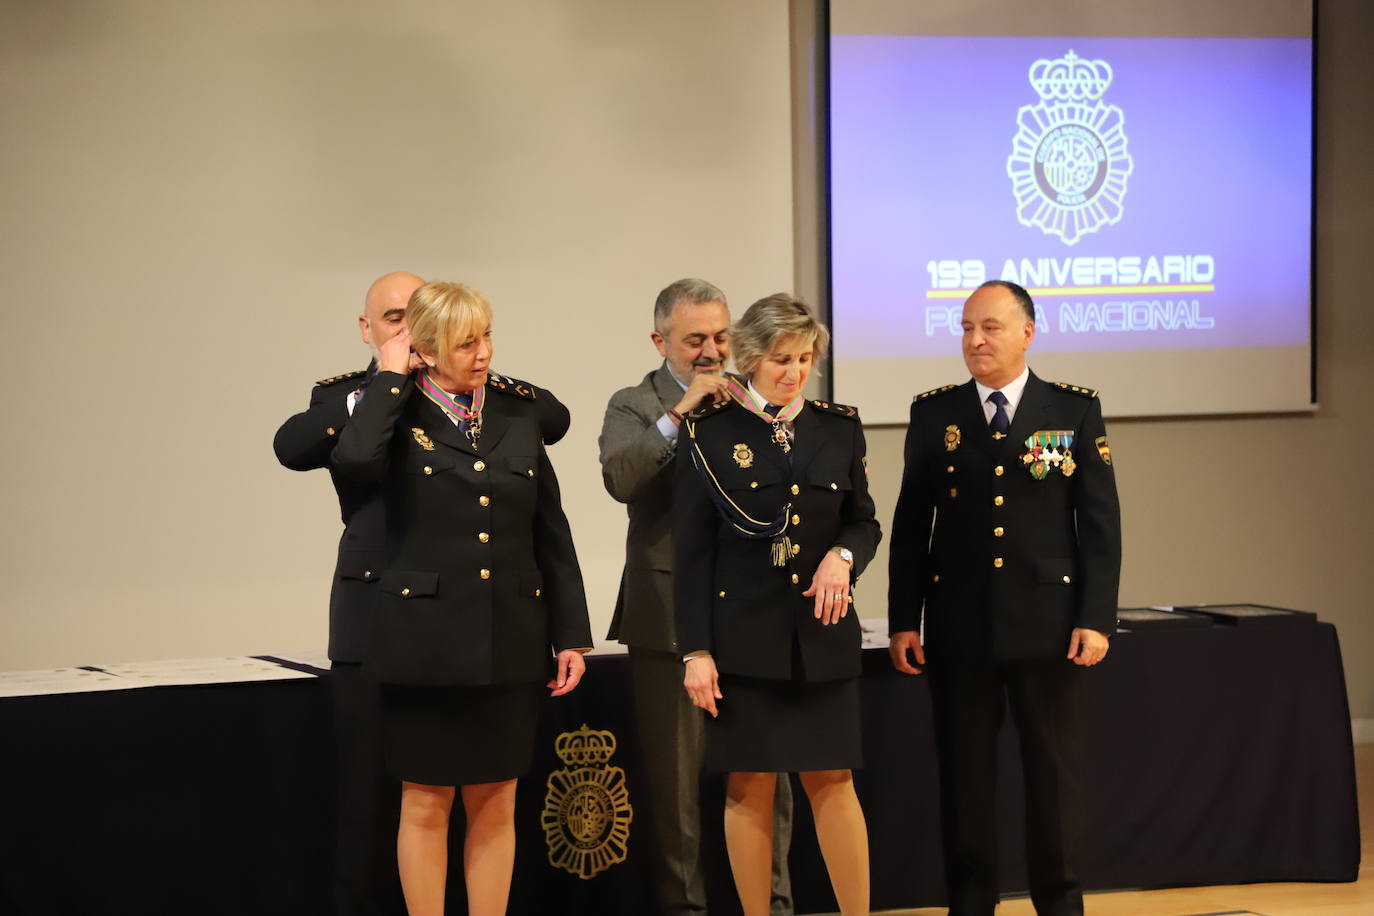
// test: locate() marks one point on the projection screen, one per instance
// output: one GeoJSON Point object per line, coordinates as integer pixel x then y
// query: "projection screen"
{"type": "Point", "coordinates": [1145, 172]}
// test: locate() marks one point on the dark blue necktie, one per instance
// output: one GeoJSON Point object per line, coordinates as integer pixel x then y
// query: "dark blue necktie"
{"type": "Point", "coordinates": [772, 409]}
{"type": "Point", "coordinates": [1000, 421]}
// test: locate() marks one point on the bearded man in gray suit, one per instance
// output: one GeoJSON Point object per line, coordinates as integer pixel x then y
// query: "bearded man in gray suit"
{"type": "Point", "coordinates": [638, 442]}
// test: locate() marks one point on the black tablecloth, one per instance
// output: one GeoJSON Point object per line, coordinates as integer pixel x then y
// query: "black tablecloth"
{"type": "Point", "coordinates": [1216, 756]}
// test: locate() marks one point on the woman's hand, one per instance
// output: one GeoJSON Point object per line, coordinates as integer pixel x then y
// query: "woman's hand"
{"type": "Point", "coordinates": [703, 683]}
{"type": "Point", "coordinates": [394, 355]}
{"type": "Point", "coordinates": [571, 667]}
{"type": "Point", "coordinates": [830, 585]}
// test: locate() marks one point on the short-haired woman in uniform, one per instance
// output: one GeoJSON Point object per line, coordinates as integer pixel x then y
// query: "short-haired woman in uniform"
{"type": "Point", "coordinates": [772, 525]}
{"type": "Point", "coordinates": [481, 596]}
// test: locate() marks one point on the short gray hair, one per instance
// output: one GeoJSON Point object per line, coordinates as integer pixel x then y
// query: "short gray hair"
{"type": "Point", "coordinates": [690, 291]}
{"type": "Point", "coordinates": [769, 320]}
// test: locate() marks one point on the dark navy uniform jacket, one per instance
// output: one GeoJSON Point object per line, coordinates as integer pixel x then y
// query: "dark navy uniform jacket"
{"type": "Point", "coordinates": [729, 597]}
{"type": "Point", "coordinates": [305, 442]}
{"type": "Point", "coordinates": [1005, 565]}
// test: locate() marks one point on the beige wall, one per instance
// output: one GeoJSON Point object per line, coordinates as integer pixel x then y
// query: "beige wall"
{"type": "Point", "coordinates": [195, 200]}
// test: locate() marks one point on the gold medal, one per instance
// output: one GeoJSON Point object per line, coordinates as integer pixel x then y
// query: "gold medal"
{"type": "Point", "coordinates": [744, 456]}
{"type": "Point", "coordinates": [420, 437]}
{"type": "Point", "coordinates": [952, 438]}
{"type": "Point", "coordinates": [1067, 465]}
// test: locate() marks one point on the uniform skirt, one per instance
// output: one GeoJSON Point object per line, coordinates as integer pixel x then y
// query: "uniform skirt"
{"type": "Point", "coordinates": [459, 735]}
{"type": "Point", "coordinates": [771, 726]}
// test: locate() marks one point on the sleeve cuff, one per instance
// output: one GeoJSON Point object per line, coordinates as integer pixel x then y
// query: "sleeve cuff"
{"type": "Point", "coordinates": [667, 428]}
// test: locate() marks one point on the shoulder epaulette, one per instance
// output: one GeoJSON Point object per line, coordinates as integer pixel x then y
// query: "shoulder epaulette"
{"type": "Point", "coordinates": [334, 380]}
{"type": "Point", "coordinates": [510, 385]}
{"type": "Point", "coordinates": [1076, 389]}
{"type": "Point", "coordinates": [708, 410]}
{"type": "Point", "coordinates": [843, 410]}
{"type": "Point", "coordinates": [932, 392]}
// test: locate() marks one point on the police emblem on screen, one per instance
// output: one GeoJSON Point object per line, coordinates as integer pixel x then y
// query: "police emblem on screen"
{"type": "Point", "coordinates": [1069, 163]}
{"type": "Point", "coordinates": [587, 809]}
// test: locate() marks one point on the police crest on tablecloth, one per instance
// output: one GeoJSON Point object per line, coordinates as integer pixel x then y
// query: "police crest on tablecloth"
{"type": "Point", "coordinates": [587, 811]}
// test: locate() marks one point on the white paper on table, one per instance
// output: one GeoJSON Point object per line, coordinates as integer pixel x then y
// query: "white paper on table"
{"type": "Point", "coordinates": [183, 671]}
{"type": "Point", "coordinates": [315, 658]}
{"type": "Point", "coordinates": [874, 630]}
{"type": "Point", "coordinates": [58, 680]}
{"type": "Point", "coordinates": [610, 648]}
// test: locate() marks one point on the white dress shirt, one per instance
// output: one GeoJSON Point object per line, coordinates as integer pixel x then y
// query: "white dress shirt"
{"type": "Point", "coordinates": [1012, 391]}
{"type": "Point", "coordinates": [667, 426]}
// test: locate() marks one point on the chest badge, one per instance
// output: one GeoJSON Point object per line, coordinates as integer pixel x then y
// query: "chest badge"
{"type": "Point", "coordinates": [744, 455]}
{"type": "Point", "coordinates": [1049, 450]}
{"type": "Point", "coordinates": [425, 442]}
{"type": "Point", "coordinates": [952, 438]}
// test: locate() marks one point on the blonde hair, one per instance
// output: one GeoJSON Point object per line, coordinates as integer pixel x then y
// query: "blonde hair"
{"type": "Point", "coordinates": [769, 320]}
{"type": "Point", "coordinates": [442, 315]}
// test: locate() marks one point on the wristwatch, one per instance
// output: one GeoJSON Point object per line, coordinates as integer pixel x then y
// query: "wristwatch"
{"type": "Point", "coordinates": [845, 553]}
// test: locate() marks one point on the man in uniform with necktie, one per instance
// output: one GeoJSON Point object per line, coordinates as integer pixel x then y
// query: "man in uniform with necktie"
{"type": "Point", "coordinates": [1008, 535]}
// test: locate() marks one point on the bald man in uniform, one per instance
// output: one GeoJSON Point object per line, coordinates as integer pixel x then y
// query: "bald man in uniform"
{"type": "Point", "coordinates": [364, 874]}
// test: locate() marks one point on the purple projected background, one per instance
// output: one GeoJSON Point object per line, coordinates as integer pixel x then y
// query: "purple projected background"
{"type": "Point", "coordinates": [1218, 134]}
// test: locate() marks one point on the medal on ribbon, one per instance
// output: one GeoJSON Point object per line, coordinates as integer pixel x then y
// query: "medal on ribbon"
{"type": "Point", "coordinates": [782, 434]}
{"type": "Point", "coordinates": [469, 417]}
{"type": "Point", "coordinates": [1049, 450]}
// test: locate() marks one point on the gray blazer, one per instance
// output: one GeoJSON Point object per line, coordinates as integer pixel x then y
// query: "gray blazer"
{"type": "Point", "coordinates": [637, 467]}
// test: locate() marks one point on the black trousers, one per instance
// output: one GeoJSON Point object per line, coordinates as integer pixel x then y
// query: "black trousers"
{"type": "Point", "coordinates": [970, 699]}
{"type": "Point", "coordinates": [365, 879]}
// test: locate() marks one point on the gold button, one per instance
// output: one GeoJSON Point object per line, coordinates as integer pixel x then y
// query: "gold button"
{"type": "Point", "coordinates": [1066, 580]}
{"type": "Point", "coordinates": [795, 579]}
{"type": "Point", "coordinates": [722, 593]}
{"type": "Point", "coordinates": [368, 574]}
{"type": "Point", "coordinates": [405, 593]}
{"type": "Point", "coordinates": [484, 501]}
{"type": "Point", "coordinates": [796, 549]}
{"type": "Point", "coordinates": [538, 592]}
{"type": "Point", "coordinates": [395, 391]}
{"type": "Point", "coordinates": [997, 532]}
{"type": "Point", "coordinates": [935, 578]}
{"type": "Point", "coordinates": [483, 537]}
{"type": "Point", "coordinates": [529, 472]}
{"type": "Point", "coordinates": [485, 574]}
{"type": "Point", "coordinates": [795, 489]}
{"type": "Point", "coordinates": [999, 470]}
{"type": "Point", "coordinates": [429, 470]}
{"type": "Point", "coordinates": [953, 492]}
{"type": "Point", "coordinates": [997, 500]}
{"type": "Point", "coordinates": [753, 484]}
{"type": "Point", "coordinates": [479, 465]}
{"type": "Point", "coordinates": [329, 430]}
{"type": "Point", "coordinates": [834, 486]}
{"type": "Point", "coordinates": [796, 519]}
{"type": "Point", "coordinates": [997, 562]}
{"type": "Point", "coordinates": [950, 469]}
